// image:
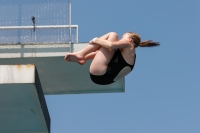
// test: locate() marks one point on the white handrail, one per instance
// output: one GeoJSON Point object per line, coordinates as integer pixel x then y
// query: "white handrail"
{"type": "Point", "coordinates": [41, 27]}
{"type": "Point", "coordinates": [38, 27]}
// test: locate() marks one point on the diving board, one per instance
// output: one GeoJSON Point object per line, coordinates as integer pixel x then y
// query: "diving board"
{"type": "Point", "coordinates": [56, 75]}
{"type": "Point", "coordinates": [23, 107]}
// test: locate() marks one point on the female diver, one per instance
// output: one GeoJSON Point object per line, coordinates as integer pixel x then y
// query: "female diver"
{"type": "Point", "coordinates": [112, 58]}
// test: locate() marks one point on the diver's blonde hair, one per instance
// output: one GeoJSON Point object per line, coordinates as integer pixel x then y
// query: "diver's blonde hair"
{"type": "Point", "coordinates": [137, 41]}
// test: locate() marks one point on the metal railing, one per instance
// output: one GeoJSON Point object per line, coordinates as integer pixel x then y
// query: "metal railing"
{"type": "Point", "coordinates": [42, 27]}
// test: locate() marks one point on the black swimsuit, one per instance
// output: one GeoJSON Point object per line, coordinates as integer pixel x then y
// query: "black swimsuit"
{"type": "Point", "coordinates": [116, 64]}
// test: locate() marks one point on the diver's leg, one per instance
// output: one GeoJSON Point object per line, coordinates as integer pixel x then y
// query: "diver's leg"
{"type": "Point", "coordinates": [87, 57]}
{"type": "Point", "coordinates": [94, 47]}
{"type": "Point", "coordinates": [79, 56]}
{"type": "Point", "coordinates": [102, 59]}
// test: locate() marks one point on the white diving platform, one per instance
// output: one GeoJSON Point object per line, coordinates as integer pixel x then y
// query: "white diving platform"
{"type": "Point", "coordinates": [23, 107]}
{"type": "Point", "coordinates": [56, 75]}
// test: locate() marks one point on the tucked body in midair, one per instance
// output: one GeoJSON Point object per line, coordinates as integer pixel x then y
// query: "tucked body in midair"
{"type": "Point", "coordinates": [112, 58]}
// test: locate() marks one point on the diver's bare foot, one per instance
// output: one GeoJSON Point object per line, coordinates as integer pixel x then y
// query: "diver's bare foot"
{"type": "Point", "coordinates": [75, 57]}
{"type": "Point", "coordinates": [82, 62]}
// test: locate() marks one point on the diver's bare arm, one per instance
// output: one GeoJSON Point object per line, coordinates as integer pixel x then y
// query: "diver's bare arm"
{"type": "Point", "coordinates": [110, 45]}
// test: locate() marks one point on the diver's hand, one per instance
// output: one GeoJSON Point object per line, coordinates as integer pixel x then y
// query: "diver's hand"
{"type": "Point", "coordinates": [93, 41]}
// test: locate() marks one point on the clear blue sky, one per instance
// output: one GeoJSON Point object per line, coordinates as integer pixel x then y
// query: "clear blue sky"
{"type": "Point", "coordinates": [163, 91]}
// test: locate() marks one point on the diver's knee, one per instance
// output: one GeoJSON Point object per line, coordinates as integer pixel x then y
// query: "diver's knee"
{"type": "Point", "coordinates": [113, 34]}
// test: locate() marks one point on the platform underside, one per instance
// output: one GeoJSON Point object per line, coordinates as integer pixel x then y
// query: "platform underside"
{"type": "Point", "coordinates": [56, 75]}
